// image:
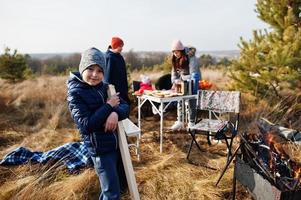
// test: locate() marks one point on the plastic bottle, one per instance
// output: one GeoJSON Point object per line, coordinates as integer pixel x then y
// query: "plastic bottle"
{"type": "Point", "coordinates": [195, 77]}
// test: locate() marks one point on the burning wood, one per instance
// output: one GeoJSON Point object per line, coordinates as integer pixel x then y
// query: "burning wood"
{"type": "Point", "coordinates": [276, 154]}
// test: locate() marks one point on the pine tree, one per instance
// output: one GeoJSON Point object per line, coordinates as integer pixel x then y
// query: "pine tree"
{"type": "Point", "coordinates": [13, 66]}
{"type": "Point", "coordinates": [271, 62]}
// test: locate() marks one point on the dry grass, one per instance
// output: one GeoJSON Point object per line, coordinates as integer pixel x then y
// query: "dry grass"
{"type": "Point", "coordinates": [293, 151]}
{"type": "Point", "coordinates": [35, 115]}
{"type": "Point", "coordinates": [35, 103]}
{"type": "Point", "coordinates": [215, 76]}
{"type": "Point", "coordinates": [42, 140]}
{"type": "Point", "coordinates": [170, 176]}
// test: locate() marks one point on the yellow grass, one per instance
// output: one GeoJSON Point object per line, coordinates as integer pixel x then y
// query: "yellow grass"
{"type": "Point", "coordinates": [35, 116]}
{"type": "Point", "coordinates": [215, 76]}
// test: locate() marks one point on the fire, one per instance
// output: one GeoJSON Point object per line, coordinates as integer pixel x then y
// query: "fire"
{"type": "Point", "coordinates": [271, 141]}
{"type": "Point", "coordinates": [297, 171]}
{"type": "Point", "coordinates": [275, 144]}
{"type": "Point", "coordinates": [277, 149]}
{"type": "Point", "coordinates": [278, 157]}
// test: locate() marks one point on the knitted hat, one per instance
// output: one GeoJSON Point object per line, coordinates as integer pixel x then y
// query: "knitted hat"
{"type": "Point", "coordinates": [90, 57]}
{"type": "Point", "coordinates": [177, 46]}
{"type": "Point", "coordinates": [191, 50]}
{"type": "Point", "coordinates": [116, 42]}
{"type": "Point", "coordinates": [145, 79]}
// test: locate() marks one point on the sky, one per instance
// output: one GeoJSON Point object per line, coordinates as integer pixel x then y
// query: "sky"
{"type": "Point", "coordinates": [64, 26]}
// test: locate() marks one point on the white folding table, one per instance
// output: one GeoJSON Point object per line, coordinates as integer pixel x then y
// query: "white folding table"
{"type": "Point", "coordinates": [162, 100]}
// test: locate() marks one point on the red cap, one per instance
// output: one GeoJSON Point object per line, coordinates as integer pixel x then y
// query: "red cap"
{"type": "Point", "coordinates": [116, 42]}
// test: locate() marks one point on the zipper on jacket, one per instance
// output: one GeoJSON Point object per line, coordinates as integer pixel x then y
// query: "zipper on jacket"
{"type": "Point", "coordinates": [93, 140]}
{"type": "Point", "coordinates": [101, 95]}
{"type": "Point", "coordinates": [103, 99]}
{"type": "Point", "coordinates": [116, 146]}
{"type": "Point", "coordinates": [116, 140]}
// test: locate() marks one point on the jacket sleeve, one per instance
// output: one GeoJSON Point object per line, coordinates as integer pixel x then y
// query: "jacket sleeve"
{"type": "Point", "coordinates": [174, 75]}
{"type": "Point", "coordinates": [108, 72]}
{"type": "Point", "coordinates": [84, 118]}
{"type": "Point", "coordinates": [122, 110]}
{"type": "Point", "coordinates": [194, 65]}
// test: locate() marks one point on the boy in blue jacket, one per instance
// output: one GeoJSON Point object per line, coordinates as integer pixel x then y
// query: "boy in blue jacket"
{"type": "Point", "coordinates": [96, 117]}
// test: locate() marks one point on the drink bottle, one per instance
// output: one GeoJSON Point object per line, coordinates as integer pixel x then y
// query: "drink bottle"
{"type": "Point", "coordinates": [195, 77]}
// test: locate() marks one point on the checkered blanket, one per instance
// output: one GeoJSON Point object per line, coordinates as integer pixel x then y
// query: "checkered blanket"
{"type": "Point", "coordinates": [73, 155]}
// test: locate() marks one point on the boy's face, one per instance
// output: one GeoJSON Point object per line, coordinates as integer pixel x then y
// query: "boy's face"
{"type": "Point", "coordinates": [93, 75]}
{"type": "Point", "coordinates": [119, 49]}
{"type": "Point", "coordinates": [191, 52]}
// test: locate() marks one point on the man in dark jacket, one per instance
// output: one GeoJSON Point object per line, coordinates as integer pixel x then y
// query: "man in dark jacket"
{"type": "Point", "coordinates": [96, 117]}
{"type": "Point", "coordinates": [116, 68]}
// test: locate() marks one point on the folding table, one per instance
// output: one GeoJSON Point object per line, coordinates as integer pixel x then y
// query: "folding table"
{"type": "Point", "coordinates": [164, 103]}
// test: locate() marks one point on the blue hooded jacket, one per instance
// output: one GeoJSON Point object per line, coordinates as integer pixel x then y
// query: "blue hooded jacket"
{"type": "Point", "coordinates": [90, 111]}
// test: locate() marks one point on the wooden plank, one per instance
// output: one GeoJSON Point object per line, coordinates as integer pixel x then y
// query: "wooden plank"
{"type": "Point", "coordinates": [125, 154]}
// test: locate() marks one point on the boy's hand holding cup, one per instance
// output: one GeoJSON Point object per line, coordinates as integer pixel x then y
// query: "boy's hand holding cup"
{"type": "Point", "coordinates": [114, 100]}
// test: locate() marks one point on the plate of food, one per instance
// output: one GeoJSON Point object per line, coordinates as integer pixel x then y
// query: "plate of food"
{"type": "Point", "coordinates": [162, 93]}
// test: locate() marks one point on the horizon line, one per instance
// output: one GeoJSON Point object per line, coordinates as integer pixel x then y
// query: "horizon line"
{"type": "Point", "coordinates": [133, 51]}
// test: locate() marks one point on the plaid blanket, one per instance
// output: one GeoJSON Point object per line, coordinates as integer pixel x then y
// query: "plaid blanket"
{"type": "Point", "coordinates": [73, 155]}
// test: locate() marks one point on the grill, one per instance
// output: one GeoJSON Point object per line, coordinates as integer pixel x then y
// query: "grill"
{"type": "Point", "coordinates": [259, 186]}
{"type": "Point", "coordinates": [268, 163]}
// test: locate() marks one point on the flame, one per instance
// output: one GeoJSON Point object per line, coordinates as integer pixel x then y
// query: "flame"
{"type": "Point", "coordinates": [270, 139]}
{"type": "Point", "coordinates": [277, 147]}
{"type": "Point", "coordinates": [270, 142]}
{"type": "Point", "coordinates": [296, 171]}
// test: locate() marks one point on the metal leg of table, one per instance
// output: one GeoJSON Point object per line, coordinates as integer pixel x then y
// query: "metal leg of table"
{"type": "Point", "coordinates": [139, 112]}
{"type": "Point", "coordinates": [161, 127]}
{"type": "Point", "coordinates": [183, 112]}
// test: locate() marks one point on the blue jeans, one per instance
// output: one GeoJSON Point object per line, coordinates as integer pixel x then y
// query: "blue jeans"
{"type": "Point", "coordinates": [106, 169]}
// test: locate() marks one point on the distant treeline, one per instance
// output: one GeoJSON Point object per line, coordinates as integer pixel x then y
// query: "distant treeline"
{"type": "Point", "coordinates": [135, 61]}
{"type": "Point", "coordinates": [17, 67]}
{"type": "Point", "coordinates": [54, 65]}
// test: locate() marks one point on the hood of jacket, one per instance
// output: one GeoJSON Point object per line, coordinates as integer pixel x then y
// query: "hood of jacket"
{"type": "Point", "coordinates": [110, 53]}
